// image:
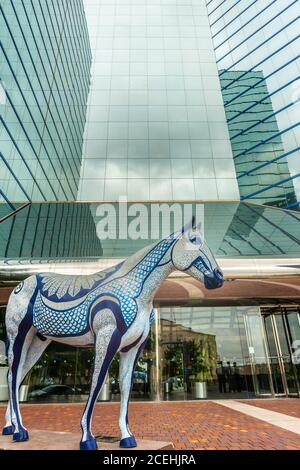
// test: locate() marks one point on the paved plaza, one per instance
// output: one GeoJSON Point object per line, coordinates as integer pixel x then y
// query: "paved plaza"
{"type": "Point", "coordinates": [207, 425]}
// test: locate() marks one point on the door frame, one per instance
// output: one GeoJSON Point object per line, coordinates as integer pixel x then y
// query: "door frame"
{"type": "Point", "coordinates": [272, 312]}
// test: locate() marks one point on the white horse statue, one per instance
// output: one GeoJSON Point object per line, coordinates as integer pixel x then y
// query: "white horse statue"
{"type": "Point", "coordinates": [111, 311]}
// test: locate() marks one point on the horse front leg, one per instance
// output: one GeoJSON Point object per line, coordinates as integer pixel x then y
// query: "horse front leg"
{"type": "Point", "coordinates": [128, 362]}
{"type": "Point", "coordinates": [106, 345]}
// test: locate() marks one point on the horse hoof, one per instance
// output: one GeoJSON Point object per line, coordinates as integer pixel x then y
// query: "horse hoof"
{"type": "Point", "coordinates": [89, 444]}
{"type": "Point", "coordinates": [21, 436]}
{"type": "Point", "coordinates": [8, 430]}
{"type": "Point", "coordinates": [128, 442]}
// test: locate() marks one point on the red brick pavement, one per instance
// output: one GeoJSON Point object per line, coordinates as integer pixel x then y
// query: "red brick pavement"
{"type": "Point", "coordinates": [189, 425]}
{"type": "Point", "coordinates": [287, 406]}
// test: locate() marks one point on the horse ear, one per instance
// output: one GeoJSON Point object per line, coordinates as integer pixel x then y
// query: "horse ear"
{"type": "Point", "coordinates": [190, 225]}
{"type": "Point", "coordinates": [199, 227]}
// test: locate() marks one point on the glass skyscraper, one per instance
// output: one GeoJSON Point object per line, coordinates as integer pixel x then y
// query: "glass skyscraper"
{"type": "Point", "coordinates": [45, 78]}
{"type": "Point", "coordinates": [260, 39]}
{"type": "Point", "coordinates": [150, 99]}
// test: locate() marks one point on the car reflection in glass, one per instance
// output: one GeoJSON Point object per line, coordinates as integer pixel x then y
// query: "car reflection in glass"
{"type": "Point", "coordinates": [50, 390]}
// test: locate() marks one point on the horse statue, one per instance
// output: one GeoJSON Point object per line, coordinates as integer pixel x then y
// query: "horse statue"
{"type": "Point", "coordinates": [111, 311]}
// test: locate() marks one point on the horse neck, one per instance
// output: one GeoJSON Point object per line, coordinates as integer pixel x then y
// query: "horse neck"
{"type": "Point", "coordinates": [151, 266]}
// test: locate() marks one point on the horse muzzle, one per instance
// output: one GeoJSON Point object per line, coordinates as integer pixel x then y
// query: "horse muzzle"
{"type": "Point", "coordinates": [214, 280]}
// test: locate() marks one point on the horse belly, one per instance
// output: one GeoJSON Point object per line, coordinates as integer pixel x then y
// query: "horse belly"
{"type": "Point", "coordinates": [81, 341]}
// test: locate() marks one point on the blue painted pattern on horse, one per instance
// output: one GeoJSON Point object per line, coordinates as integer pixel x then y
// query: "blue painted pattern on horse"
{"type": "Point", "coordinates": [51, 322]}
{"type": "Point", "coordinates": [74, 320]}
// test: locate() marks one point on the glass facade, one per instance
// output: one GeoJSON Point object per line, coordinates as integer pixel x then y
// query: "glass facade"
{"type": "Point", "coordinates": [45, 76]}
{"type": "Point", "coordinates": [230, 349]}
{"type": "Point", "coordinates": [213, 345]}
{"type": "Point", "coordinates": [156, 127]}
{"type": "Point", "coordinates": [257, 54]}
{"type": "Point", "coordinates": [68, 231]}
{"type": "Point", "coordinates": [250, 118]}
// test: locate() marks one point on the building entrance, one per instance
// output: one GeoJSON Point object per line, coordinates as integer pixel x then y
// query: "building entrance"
{"type": "Point", "coordinates": [212, 352]}
{"type": "Point", "coordinates": [282, 327]}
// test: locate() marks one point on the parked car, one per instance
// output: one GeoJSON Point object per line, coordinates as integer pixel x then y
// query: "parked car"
{"type": "Point", "coordinates": [54, 390]}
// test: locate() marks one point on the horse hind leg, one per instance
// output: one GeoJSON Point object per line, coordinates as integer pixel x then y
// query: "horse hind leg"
{"type": "Point", "coordinates": [128, 361]}
{"type": "Point", "coordinates": [34, 353]}
{"type": "Point", "coordinates": [106, 345]}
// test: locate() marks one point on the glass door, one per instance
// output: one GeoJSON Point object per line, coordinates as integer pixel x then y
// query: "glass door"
{"type": "Point", "coordinates": [293, 327]}
{"type": "Point", "coordinates": [276, 366]}
{"type": "Point", "coordinates": [281, 326]}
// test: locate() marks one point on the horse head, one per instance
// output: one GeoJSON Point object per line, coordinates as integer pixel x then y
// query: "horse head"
{"type": "Point", "coordinates": [192, 255]}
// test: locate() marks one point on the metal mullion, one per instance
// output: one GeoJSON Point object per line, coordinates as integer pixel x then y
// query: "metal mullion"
{"type": "Point", "coordinates": [82, 70]}
{"type": "Point", "coordinates": [279, 355]}
{"type": "Point", "coordinates": [262, 61]}
{"type": "Point", "coordinates": [79, 7]}
{"type": "Point", "coordinates": [227, 11]}
{"type": "Point", "coordinates": [24, 231]}
{"type": "Point", "coordinates": [52, 232]}
{"type": "Point", "coordinates": [208, 3]}
{"type": "Point", "coordinates": [245, 152]}
{"type": "Point", "coordinates": [59, 51]}
{"type": "Point", "coordinates": [260, 235]}
{"type": "Point", "coordinates": [7, 200]}
{"type": "Point", "coordinates": [262, 121]}
{"type": "Point", "coordinates": [83, 104]}
{"type": "Point", "coordinates": [76, 121]}
{"type": "Point", "coordinates": [290, 236]}
{"type": "Point", "coordinates": [234, 247]}
{"type": "Point", "coordinates": [257, 31]}
{"type": "Point", "coordinates": [16, 179]}
{"type": "Point", "coordinates": [235, 18]}
{"type": "Point", "coordinates": [32, 119]}
{"type": "Point", "coordinates": [57, 59]}
{"type": "Point", "coordinates": [291, 206]}
{"type": "Point", "coordinates": [288, 337]}
{"type": "Point", "coordinates": [264, 79]}
{"type": "Point", "coordinates": [22, 157]}
{"type": "Point", "coordinates": [86, 62]}
{"type": "Point", "coordinates": [274, 185]}
{"type": "Point", "coordinates": [79, 159]}
{"type": "Point", "coordinates": [216, 8]}
{"type": "Point", "coordinates": [35, 231]}
{"type": "Point", "coordinates": [243, 26]}
{"type": "Point", "coordinates": [34, 151]}
{"type": "Point", "coordinates": [13, 213]}
{"type": "Point", "coordinates": [247, 173]}
{"type": "Point", "coordinates": [245, 241]}
{"type": "Point", "coordinates": [45, 231]}
{"type": "Point", "coordinates": [71, 231]}
{"type": "Point", "coordinates": [81, 15]}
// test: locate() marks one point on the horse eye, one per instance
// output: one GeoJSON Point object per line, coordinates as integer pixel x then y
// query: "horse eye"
{"type": "Point", "coordinates": [193, 239]}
